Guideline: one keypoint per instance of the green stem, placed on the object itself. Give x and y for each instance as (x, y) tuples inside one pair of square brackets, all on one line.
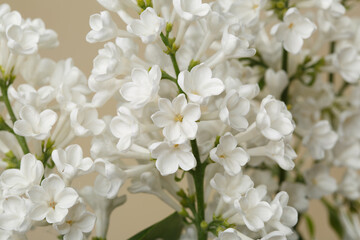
[(343, 88), (284, 66), (332, 50), (175, 64), (165, 75), (172, 53), (282, 176), (284, 98), (7, 103), (20, 139), (198, 175)]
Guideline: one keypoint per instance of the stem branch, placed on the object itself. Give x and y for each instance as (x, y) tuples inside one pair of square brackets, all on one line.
[(5, 98)]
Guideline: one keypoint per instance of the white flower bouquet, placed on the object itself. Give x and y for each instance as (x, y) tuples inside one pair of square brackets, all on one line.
[(234, 113)]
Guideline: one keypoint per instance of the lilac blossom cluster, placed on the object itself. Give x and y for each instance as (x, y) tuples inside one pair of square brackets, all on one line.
[(231, 114)]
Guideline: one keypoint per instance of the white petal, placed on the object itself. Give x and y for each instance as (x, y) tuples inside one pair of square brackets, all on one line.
[(66, 198), (23, 128)]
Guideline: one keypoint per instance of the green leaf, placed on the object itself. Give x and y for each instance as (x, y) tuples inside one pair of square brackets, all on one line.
[(310, 226), (167, 229), (334, 219)]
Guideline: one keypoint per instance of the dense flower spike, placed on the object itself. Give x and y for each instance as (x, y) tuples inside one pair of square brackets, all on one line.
[(207, 94)]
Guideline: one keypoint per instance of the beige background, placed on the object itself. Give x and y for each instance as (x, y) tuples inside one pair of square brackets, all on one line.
[(69, 18)]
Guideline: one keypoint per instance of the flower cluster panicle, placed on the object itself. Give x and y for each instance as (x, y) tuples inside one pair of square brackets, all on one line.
[(237, 98)]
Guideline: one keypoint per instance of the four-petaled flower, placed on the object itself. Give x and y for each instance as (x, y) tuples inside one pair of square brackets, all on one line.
[(172, 156), (178, 118), (34, 124), (51, 200), (227, 154), (293, 30)]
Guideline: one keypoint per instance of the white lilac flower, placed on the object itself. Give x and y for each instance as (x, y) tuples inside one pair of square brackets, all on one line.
[(265, 177), (104, 90), (248, 11), (233, 109), (14, 216), (199, 84), (297, 195), (103, 28), (350, 185), (276, 82), (143, 87), (149, 26), (4, 9), (102, 207), (227, 154), (125, 127), (109, 63), (275, 235), (215, 23), (293, 30), (27, 95), (189, 10), (319, 181), (347, 153), (321, 137), (19, 181), (169, 157), (349, 125), (85, 121), (22, 40), (47, 37), (51, 200), (351, 224), (70, 162), (226, 4), (9, 143), (37, 71), (279, 151), (248, 91), (231, 187), (70, 84), (231, 234), (34, 124), (273, 119), (151, 182), (114, 5), (234, 44), (178, 118), (335, 7), (347, 63), (109, 180), (251, 211), (146, 182), (128, 46), (285, 217), (77, 222)]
